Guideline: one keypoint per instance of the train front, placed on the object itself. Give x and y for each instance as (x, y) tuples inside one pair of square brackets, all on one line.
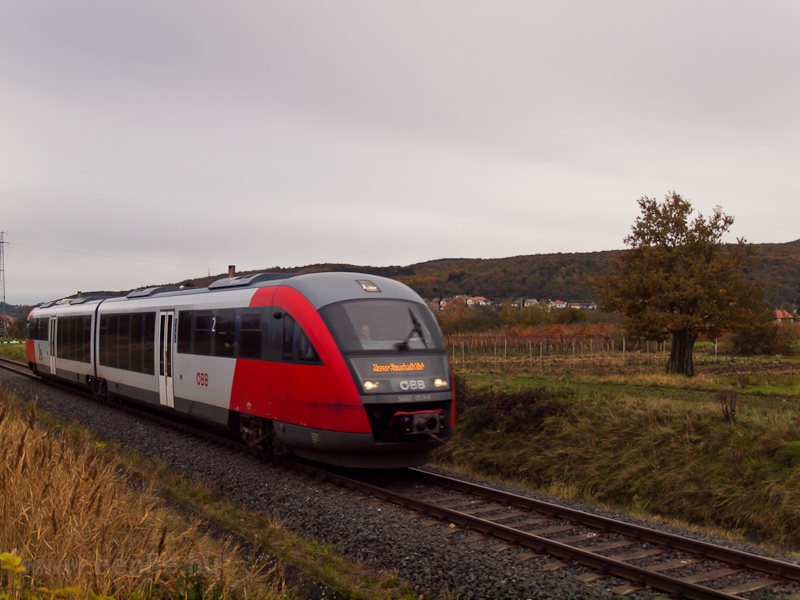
[(394, 349)]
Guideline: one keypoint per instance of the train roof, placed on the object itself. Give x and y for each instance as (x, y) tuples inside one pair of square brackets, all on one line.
[(320, 289)]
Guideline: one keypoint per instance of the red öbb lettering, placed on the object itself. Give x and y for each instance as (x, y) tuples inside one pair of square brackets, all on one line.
[(202, 379)]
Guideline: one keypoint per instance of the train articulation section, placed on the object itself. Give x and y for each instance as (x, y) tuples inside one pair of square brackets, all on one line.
[(342, 368)]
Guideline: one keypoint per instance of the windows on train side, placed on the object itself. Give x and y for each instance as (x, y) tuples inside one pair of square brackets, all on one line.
[(243, 333), (127, 341), (37, 328), (250, 335), (73, 339)]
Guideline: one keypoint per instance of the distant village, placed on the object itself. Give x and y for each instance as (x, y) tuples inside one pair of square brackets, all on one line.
[(438, 304)]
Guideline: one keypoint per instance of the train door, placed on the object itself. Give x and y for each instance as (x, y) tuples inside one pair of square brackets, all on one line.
[(165, 344), (52, 346)]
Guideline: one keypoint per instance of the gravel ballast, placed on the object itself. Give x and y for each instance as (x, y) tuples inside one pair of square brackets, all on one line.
[(430, 558)]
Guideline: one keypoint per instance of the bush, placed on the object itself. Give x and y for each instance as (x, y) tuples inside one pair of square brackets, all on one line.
[(502, 411), (767, 337)]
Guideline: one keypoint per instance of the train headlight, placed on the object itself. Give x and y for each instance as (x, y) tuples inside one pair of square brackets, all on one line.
[(440, 383), (371, 385)]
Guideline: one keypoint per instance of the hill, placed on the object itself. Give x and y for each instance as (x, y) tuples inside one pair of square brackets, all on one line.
[(559, 276), (552, 276), (568, 276)]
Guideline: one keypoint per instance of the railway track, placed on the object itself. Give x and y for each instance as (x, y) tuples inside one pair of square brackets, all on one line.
[(677, 565), (470, 513)]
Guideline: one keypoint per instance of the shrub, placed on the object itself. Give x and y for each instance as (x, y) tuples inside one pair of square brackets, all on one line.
[(508, 412)]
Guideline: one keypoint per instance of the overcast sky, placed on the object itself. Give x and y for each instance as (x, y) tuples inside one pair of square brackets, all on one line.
[(148, 142)]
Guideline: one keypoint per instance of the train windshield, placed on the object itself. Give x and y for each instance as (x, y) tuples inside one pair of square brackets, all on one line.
[(381, 325)]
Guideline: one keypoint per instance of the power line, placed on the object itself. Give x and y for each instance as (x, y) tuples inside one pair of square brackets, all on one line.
[(128, 258)]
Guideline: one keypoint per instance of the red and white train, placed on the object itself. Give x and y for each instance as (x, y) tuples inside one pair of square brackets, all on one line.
[(343, 368)]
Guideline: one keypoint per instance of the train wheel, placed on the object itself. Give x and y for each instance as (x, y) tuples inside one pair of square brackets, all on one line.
[(259, 433), (254, 430)]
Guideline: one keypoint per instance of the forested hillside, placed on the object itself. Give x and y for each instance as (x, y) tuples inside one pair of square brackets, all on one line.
[(559, 276), (565, 277)]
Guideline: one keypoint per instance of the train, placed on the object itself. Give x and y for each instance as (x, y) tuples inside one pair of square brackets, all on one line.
[(347, 369)]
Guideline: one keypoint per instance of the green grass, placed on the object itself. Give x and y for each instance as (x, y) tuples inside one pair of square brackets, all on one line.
[(13, 351), (640, 450)]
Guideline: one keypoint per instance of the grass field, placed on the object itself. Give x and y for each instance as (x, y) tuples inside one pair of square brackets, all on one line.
[(13, 351), (719, 450), (71, 524), (78, 519)]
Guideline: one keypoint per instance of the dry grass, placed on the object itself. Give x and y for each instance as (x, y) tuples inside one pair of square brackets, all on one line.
[(649, 454), (70, 521)]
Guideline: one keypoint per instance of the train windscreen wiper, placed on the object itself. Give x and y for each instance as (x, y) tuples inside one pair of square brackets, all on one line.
[(417, 328)]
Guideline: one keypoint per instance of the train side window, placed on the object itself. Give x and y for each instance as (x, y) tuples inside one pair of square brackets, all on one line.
[(305, 349), (184, 332), (224, 332), (61, 334), (86, 351), (137, 341), (102, 350), (250, 335), (287, 348), (124, 348), (72, 338), (202, 333), (113, 325), (149, 361), (69, 338)]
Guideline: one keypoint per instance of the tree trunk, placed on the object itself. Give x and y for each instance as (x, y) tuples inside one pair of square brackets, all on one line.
[(680, 356)]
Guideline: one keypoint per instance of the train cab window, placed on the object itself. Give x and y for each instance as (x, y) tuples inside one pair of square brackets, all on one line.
[(296, 346), (382, 325), (224, 328), (250, 335), (202, 333), (305, 349)]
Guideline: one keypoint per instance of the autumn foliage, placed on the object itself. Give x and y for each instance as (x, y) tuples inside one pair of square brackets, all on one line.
[(679, 281)]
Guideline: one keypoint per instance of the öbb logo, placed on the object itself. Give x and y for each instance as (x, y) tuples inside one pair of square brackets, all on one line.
[(412, 384)]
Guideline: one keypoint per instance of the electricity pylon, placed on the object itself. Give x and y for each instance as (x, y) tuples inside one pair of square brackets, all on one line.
[(3, 284)]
